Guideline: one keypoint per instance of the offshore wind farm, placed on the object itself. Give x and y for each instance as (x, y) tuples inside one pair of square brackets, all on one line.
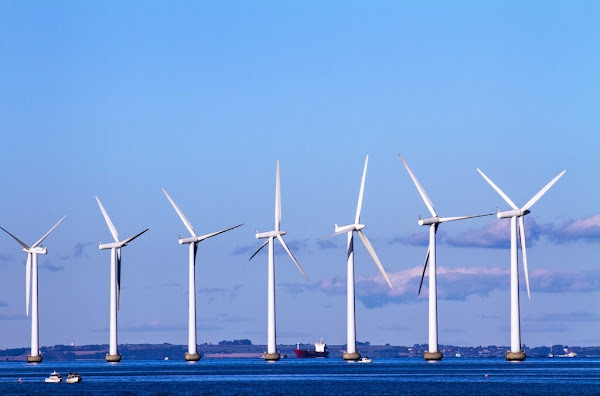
[(247, 132)]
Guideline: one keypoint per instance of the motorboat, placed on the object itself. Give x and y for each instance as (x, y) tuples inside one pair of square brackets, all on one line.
[(365, 360), (54, 378), (73, 378)]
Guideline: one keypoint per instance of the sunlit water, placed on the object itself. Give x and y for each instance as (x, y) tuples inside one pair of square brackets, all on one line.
[(310, 376)]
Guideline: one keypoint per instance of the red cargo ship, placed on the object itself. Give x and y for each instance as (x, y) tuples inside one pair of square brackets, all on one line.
[(319, 351)]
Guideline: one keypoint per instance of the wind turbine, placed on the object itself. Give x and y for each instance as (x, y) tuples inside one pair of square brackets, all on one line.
[(351, 352), (433, 352), (192, 241), (272, 353), (115, 280), (515, 353), (31, 288)]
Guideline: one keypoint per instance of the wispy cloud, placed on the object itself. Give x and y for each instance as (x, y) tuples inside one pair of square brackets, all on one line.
[(50, 266), (327, 244), (153, 325), (418, 239), (563, 317), (245, 250), (585, 228), (495, 234), (12, 317), (224, 317), (79, 248), (214, 293), (458, 284), (295, 288)]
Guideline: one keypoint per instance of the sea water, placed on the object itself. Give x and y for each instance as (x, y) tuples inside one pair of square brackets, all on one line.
[(330, 376)]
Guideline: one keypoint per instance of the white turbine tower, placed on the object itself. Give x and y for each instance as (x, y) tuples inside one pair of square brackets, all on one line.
[(31, 289), (516, 353), (115, 281), (433, 352), (192, 355), (351, 352), (272, 353)]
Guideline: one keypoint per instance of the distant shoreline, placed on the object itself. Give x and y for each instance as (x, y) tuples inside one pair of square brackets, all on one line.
[(249, 351)]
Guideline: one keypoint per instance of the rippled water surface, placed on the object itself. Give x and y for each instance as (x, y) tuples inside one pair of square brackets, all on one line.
[(309, 376)]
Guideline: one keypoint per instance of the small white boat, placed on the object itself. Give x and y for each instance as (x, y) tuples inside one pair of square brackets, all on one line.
[(54, 378), (365, 360), (73, 378)]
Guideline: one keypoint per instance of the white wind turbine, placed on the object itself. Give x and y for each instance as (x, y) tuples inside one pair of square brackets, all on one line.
[(351, 352), (192, 241), (515, 352), (433, 353), (272, 353), (115, 281), (31, 288)]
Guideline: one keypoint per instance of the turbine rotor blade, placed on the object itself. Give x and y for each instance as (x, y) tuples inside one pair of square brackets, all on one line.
[(111, 227), (16, 239), (335, 233), (118, 279), (126, 241), (424, 195), (424, 268), (371, 251), (184, 219), (542, 191), (27, 282), (292, 256), (220, 232), (48, 233), (497, 189), (360, 194), (524, 251), (259, 249), (445, 219), (195, 251), (277, 199)]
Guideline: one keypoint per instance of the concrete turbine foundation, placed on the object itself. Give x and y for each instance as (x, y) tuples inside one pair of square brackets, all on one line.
[(34, 359), (192, 357), (433, 356), (272, 356), (351, 356), (515, 356), (113, 358)]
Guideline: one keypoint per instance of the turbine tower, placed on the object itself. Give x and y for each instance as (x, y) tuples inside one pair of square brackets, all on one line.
[(433, 352), (351, 352), (272, 353), (192, 354), (31, 289), (516, 353), (115, 281)]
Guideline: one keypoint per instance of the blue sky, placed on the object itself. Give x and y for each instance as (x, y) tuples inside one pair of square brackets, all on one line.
[(119, 99)]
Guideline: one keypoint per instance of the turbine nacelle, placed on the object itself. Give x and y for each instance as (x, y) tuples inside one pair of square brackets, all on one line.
[(269, 234), (429, 221), (112, 245), (36, 250), (512, 213)]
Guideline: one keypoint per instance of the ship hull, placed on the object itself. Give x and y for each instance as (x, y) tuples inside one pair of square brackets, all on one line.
[(303, 353)]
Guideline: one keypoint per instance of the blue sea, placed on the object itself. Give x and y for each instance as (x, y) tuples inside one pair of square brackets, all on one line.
[(578, 376)]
